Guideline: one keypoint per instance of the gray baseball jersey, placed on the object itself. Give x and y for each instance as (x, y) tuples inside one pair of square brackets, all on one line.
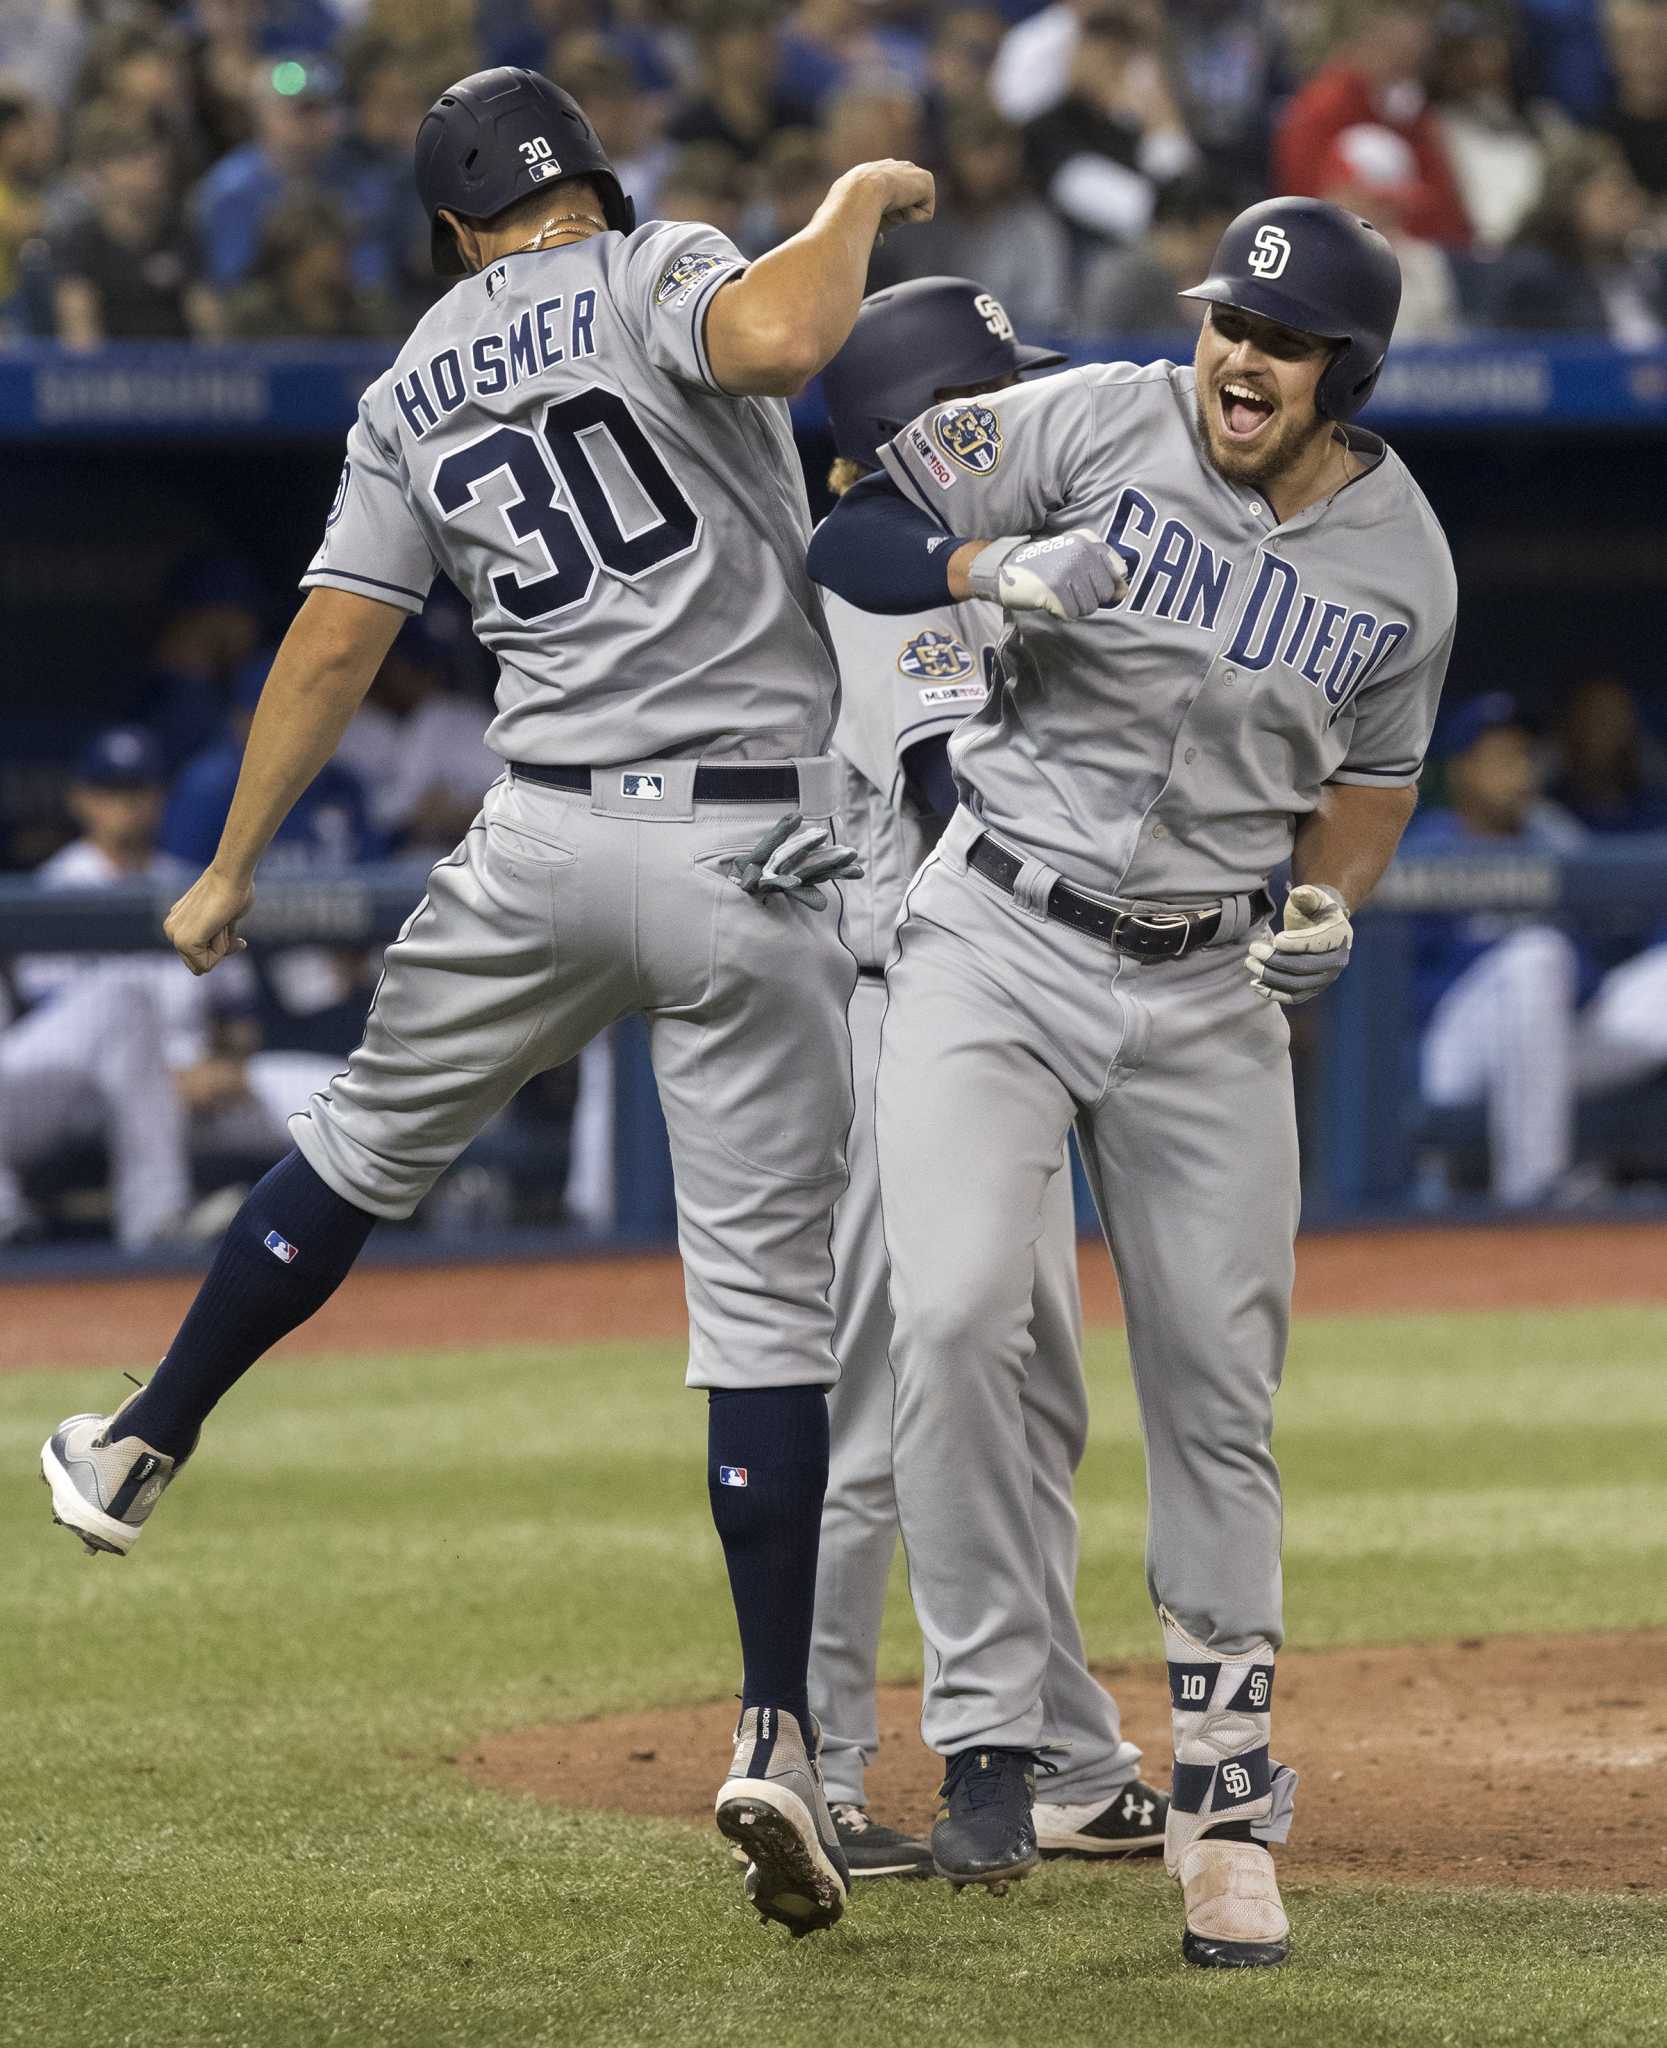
[(1165, 748), (902, 680), (630, 539)]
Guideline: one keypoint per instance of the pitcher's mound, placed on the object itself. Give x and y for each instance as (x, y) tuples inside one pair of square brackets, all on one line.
[(1521, 1760)]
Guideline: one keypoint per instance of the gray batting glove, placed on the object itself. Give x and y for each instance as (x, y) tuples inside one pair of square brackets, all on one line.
[(791, 859), (1308, 955), (1066, 575)]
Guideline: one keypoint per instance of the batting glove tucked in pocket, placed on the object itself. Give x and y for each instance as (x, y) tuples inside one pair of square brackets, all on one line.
[(1293, 965), (791, 859)]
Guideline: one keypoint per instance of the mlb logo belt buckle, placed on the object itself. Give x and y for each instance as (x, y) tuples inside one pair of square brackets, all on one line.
[(649, 789)]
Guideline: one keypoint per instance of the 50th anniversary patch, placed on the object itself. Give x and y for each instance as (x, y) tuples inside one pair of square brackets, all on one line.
[(969, 435), (934, 657)]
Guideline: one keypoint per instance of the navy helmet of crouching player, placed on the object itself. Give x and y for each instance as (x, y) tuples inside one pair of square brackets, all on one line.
[(1323, 271), (912, 343), (495, 137)]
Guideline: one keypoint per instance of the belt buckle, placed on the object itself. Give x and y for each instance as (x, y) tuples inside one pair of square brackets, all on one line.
[(1153, 929)]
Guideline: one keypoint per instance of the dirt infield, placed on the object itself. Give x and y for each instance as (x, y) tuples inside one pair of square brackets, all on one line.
[(1517, 1761), (130, 1322)]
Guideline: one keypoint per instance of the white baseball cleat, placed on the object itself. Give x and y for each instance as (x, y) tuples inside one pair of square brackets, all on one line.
[(1234, 1918), (772, 1807), (103, 1489)]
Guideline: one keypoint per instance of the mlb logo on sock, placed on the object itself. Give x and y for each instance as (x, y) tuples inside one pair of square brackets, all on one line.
[(281, 1248), (732, 1475)]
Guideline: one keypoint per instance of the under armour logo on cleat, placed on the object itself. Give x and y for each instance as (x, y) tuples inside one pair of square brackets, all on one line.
[(1140, 1810)]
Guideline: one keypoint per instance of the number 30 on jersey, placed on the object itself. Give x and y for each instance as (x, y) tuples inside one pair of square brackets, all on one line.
[(537, 464)]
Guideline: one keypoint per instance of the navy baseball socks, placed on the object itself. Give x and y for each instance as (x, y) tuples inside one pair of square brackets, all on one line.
[(767, 1470), (767, 1452), (287, 1250)]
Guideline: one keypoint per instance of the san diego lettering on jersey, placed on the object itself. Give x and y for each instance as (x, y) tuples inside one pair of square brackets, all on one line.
[(546, 334), (1181, 577)]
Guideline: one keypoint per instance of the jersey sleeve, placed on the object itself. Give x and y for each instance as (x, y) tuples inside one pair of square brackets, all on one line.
[(372, 543), (670, 274), (1009, 462), (1394, 716)]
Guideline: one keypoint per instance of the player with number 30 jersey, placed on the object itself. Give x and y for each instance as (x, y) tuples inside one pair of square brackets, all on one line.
[(587, 435)]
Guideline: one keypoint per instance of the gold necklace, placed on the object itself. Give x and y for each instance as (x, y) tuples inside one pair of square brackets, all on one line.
[(588, 220)]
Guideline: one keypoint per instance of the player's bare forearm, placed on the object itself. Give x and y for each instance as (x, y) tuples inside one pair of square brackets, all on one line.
[(960, 568), (771, 330), (327, 662), (1350, 839)]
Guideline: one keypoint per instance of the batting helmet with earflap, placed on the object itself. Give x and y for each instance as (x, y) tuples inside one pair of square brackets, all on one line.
[(910, 342), (495, 138), (1319, 269)]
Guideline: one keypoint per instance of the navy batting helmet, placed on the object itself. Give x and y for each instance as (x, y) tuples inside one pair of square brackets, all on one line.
[(494, 138), (1314, 267), (910, 342)]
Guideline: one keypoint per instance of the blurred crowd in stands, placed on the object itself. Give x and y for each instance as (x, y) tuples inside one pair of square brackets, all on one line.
[(240, 168)]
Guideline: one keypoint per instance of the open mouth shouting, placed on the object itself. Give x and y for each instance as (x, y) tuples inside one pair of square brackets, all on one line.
[(1244, 410)]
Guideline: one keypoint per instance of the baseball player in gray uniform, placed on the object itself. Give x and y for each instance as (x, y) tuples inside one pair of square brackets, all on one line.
[(1232, 611), (906, 683), (587, 434)]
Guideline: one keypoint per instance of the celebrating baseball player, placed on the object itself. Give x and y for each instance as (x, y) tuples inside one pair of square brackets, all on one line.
[(906, 683), (586, 433), (1231, 616)]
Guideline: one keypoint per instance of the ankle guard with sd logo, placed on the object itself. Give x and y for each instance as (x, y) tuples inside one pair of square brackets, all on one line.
[(1225, 1781)]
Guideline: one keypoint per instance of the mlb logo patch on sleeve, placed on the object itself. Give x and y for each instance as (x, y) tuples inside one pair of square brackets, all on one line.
[(732, 1475), (281, 1248)]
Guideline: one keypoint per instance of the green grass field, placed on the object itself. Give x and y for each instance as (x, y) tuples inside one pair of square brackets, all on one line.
[(227, 1816)]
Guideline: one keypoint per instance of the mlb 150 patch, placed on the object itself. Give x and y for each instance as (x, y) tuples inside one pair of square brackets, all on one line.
[(954, 693), (680, 279), (934, 465), (934, 657), (969, 435)]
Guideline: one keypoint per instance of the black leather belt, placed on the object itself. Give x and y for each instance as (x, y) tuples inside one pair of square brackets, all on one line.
[(735, 783), (1148, 934)]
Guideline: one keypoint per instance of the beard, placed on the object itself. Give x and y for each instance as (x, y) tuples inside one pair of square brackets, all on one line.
[(1281, 446)]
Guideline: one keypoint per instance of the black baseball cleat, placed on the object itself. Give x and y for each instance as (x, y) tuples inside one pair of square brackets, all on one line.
[(986, 1834), (1129, 1823), (874, 1850)]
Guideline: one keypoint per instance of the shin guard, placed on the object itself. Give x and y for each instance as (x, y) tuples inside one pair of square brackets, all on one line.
[(1224, 1776)]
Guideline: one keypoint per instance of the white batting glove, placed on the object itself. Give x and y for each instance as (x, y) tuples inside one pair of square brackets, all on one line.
[(1308, 955), (1066, 575)]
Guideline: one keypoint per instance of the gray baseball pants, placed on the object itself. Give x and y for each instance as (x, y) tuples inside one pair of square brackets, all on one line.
[(1003, 1029), (562, 912), (859, 1514)]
